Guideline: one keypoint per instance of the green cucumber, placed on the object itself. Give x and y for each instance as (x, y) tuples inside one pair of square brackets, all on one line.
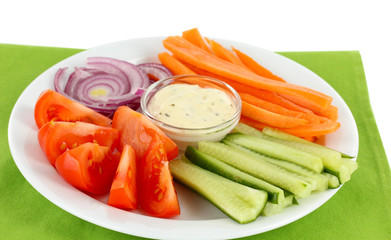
[(241, 203), (333, 181), (350, 164), (273, 209), (285, 136), (277, 150), (321, 181), (275, 194), (271, 173)]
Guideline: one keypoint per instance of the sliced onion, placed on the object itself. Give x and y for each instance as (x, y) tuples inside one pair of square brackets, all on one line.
[(157, 70), (107, 83)]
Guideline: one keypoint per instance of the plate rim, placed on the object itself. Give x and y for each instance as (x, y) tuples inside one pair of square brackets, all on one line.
[(170, 234)]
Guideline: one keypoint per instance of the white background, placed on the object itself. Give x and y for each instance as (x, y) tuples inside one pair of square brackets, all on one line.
[(274, 25)]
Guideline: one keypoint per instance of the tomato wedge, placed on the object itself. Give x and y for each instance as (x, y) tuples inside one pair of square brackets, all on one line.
[(52, 106), (57, 137), (88, 167), (137, 130), (123, 192), (157, 195)]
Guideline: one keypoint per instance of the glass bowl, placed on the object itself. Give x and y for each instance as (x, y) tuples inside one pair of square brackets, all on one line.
[(184, 136)]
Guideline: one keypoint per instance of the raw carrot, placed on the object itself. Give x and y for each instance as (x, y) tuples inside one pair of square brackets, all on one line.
[(193, 55), (310, 117), (255, 66), (175, 66), (272, 119), (194, 36), (269, 106), (262, 94), (253, 123), (223, 53), (310, 130)]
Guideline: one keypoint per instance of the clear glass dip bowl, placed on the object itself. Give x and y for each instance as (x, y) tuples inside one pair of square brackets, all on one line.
[(185, 136)]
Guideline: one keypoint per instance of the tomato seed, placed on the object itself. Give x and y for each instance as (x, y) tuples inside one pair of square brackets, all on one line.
[(129, 174), (160, 196), (74, 145), (63, 146), (90, 162)]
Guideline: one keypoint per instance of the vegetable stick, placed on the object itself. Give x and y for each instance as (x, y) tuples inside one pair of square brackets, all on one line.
[(194, 36), (269, 106), (262, 94), (223, 53), (275, 120), (312, 118), (253, 123), (309, 130), (255, 66), (330, 111), (193, 55), (175, 66)]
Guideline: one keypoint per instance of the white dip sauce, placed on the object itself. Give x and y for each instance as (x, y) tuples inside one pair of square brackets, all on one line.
[(191, 106)]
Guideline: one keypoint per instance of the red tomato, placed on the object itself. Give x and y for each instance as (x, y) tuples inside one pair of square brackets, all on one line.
[(123, 192), (54, 106), (57, 137), (137, 130), (157, 195), (88, 167)]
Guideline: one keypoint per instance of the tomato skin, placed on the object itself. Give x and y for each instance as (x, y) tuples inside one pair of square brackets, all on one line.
[(52, 106), (123, 192), (157, 195), (137, 131), (88, 167), (57, 137)]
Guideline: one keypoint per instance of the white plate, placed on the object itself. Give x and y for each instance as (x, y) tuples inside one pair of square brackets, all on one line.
[(199, 219)]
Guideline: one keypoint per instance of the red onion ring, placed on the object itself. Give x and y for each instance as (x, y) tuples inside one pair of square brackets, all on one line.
[(107, 83), (159, 71)]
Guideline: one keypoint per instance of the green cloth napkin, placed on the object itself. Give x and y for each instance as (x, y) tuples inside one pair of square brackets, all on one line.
[(360, 210)]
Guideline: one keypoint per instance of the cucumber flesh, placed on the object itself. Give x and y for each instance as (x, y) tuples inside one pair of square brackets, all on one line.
[(333, 181), (275, 194), (277, 150), (273, 209), (266, 171), (285, 136), (319, 181), (241, 203)]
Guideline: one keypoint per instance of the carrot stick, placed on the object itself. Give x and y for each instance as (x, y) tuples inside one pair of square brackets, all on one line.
[(309, 130), (262, 94), (193, 55), (275, 120), (255, 66), (253, 123), (223, 53), (194, 36), (310, 117), (175, 66), (269, 106)]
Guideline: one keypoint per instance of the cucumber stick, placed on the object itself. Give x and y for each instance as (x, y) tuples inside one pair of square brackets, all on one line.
[(243, 204), (282, 135), (320, 181), (275, 194), (272, 208), (271, 173), (333, 181), (277, 150)]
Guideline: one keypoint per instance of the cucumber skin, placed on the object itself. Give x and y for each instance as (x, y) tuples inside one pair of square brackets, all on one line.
[(320, 179), (284, 152), (194, 176), (261, 169), (214, 165)]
